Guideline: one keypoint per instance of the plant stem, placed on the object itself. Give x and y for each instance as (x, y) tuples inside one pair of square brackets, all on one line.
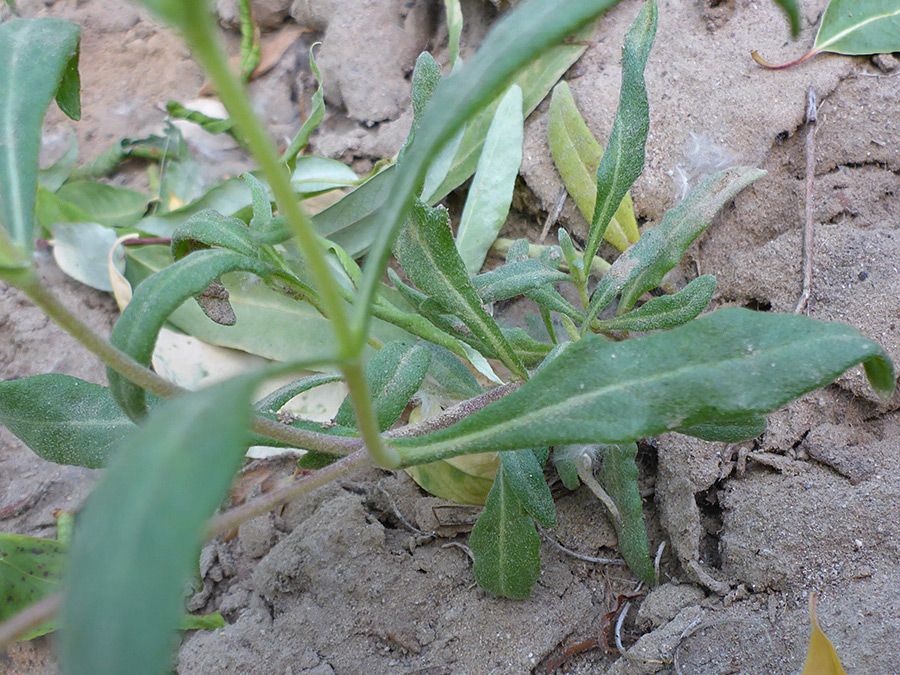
[(203, 40), (383, 455), (28, 619), (116, 359), (233, 518), (201, 36), (305, 440)]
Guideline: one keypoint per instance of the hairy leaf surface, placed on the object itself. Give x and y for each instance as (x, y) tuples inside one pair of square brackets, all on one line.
[(63, 419), (36, 57), (137, 539), (721, 368)]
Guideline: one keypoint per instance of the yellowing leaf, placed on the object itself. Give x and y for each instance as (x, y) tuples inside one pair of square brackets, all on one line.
[(821, 659)]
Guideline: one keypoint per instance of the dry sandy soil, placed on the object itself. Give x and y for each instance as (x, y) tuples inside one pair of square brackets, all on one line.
[(337, 583)]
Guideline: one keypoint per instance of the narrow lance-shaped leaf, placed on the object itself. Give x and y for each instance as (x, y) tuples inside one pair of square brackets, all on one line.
[(450, 374), (505, 544), (852, 27), (316, 115), (577, 154), (517, 39), (792, 10), (154, 300), (394, 375), (514, 279), (454, 28), (718, 369), (491, 191), (659, 249), (547, 297), (730, 432), (292, 327), (426, 251), (137, 539), (623, 159), (36, 57), (536, 79), (280, 397), (63, 419), (666, 311), (524, 475), (352, 216), (618, 475)]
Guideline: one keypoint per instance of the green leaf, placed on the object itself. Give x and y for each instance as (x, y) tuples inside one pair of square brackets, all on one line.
[(450, 374), (35, 55), (491, 191), (105, 204), (660, 248), (792, 9), (514, 42), (54, 176), (623, 159), (212, 125), (294, 328), (280, 397), (30, 569), (566, 469), (858, 27), (227, 198), (731, 432), (454, 28), (577, 154), (852, 27), (517, 278), (618, 475), (666, 311), (353, 221), (154, 300), (313, 175), (426, 77), (505, 544), (719, 369), (210, 228), (81, 249), (394, 375), (440, 167), (202, 622), (352, 216), (316, 115), (427, 253), (535, 80), (262, 207), (63, 419), (524, 475), (137, 538)]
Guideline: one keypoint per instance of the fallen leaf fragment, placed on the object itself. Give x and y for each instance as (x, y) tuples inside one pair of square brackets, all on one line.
[(821, 659)]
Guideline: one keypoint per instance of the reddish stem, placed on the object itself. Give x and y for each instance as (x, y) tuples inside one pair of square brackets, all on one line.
[(782, 66)]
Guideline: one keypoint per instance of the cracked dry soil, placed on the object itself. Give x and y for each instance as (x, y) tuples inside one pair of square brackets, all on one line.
[(337, 582)]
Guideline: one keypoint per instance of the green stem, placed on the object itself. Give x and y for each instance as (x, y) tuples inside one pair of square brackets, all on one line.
[(201, 37), (118, 360), (205, 46), (303, 439), (383, 455)]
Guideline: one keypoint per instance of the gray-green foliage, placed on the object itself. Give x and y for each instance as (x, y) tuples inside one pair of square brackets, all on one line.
[(578, 380)]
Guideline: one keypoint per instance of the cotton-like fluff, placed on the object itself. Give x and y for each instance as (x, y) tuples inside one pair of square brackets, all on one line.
[(702, 156)]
